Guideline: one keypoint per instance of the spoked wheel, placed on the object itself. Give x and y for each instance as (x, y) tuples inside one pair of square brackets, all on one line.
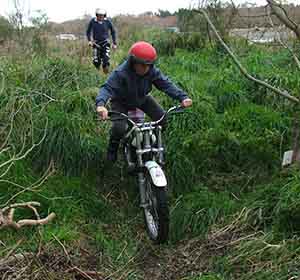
[(156, 213)]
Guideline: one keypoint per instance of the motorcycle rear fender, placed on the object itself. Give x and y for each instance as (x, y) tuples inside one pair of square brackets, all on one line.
[(157, 175)]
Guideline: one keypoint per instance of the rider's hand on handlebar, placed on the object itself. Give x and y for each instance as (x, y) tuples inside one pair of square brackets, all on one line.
[(102, 112), (186, 103), (91, 43)]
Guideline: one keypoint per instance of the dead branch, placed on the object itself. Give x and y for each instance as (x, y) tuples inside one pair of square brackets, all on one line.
[(241, 67), (84, 274), (7, 216), (62, 245)]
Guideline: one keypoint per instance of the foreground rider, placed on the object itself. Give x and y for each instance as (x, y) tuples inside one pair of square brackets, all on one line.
[(98, 36), (128, 87)]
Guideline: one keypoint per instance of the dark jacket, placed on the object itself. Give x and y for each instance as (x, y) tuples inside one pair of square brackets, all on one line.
[(100, 30), (129, 88)]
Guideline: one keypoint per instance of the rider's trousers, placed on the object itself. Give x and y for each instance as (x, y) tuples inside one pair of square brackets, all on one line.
[(150, 107)]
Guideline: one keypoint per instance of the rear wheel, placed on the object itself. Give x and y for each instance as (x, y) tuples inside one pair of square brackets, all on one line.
[(156, 213)]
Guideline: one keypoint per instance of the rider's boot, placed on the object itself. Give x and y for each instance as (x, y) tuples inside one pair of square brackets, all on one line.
[(112, 150)]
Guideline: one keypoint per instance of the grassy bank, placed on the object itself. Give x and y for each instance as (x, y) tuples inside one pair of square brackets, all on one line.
[(234, 212)]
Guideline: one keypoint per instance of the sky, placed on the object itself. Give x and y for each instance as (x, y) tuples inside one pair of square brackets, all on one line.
[(62, 10)]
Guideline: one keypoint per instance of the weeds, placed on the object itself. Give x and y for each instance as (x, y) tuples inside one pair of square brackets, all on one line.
[(223, 160)]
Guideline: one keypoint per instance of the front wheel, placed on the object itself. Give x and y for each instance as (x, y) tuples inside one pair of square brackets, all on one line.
[(156, 213)]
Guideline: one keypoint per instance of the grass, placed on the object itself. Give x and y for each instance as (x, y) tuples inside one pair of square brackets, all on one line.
[(223, 166)]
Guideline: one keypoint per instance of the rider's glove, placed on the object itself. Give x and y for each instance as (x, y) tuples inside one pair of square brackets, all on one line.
[(102, 112), (186, 103)]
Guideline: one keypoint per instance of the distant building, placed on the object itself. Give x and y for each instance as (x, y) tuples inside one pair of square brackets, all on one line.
[(70, 37)]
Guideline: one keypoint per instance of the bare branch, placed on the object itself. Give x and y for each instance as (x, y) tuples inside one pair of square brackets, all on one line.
[(7, 216)]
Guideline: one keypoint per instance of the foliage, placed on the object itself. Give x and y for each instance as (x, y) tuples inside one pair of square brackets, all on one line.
[(6, 29), (223, 160), (167, 42), (198, 211), (40, 25), (163, 13)]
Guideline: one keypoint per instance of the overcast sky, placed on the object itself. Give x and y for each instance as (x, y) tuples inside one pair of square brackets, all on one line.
[(61, 10)]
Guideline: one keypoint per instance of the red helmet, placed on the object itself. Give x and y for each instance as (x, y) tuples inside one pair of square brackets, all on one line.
[(142, 52)]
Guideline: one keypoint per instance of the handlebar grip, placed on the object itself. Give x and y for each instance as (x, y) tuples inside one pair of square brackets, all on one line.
[(110, 113)]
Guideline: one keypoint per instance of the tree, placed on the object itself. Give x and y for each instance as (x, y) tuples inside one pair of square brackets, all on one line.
[(17, 19), (6, 29), (188, 21), (40, 25), (163, 13), (221, 14)]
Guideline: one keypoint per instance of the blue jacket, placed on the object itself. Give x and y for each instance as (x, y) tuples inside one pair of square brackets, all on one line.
[(100, 30), (129, 88)]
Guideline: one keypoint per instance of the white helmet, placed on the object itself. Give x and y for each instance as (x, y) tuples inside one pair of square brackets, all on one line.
[(100, 12)]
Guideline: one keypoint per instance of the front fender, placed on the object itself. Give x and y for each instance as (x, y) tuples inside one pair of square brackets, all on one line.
[(157, 175)]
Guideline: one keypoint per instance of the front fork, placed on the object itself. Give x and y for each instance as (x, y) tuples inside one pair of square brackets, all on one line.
[(157, 175), (142, 189)]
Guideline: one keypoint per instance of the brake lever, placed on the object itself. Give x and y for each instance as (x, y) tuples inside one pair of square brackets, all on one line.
[(180, 110)]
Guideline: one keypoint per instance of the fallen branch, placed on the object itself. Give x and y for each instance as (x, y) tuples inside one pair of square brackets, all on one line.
[(85, 274), (7, 216)]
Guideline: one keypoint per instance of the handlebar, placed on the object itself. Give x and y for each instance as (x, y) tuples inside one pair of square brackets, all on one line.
[(174, 109)]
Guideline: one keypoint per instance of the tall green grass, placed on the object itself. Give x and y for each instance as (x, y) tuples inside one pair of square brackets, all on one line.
[(223, 156)]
